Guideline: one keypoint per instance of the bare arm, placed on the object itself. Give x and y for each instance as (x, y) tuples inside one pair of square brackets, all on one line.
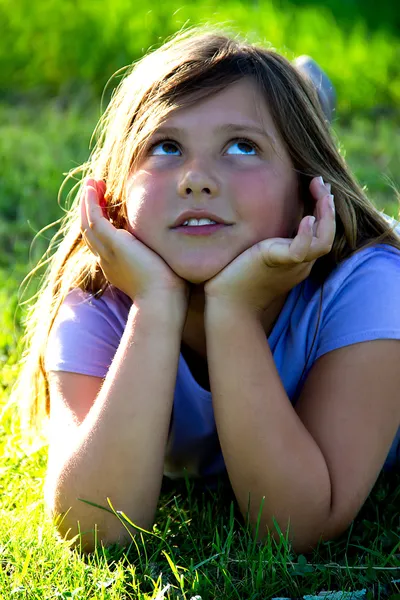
[(118, 450), (268, 451), (315, 464)]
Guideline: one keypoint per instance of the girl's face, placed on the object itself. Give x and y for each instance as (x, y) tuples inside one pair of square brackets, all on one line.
[(214, 161)]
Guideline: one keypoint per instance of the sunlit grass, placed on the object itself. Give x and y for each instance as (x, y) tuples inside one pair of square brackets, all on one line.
[(199, 545), (72, 45)]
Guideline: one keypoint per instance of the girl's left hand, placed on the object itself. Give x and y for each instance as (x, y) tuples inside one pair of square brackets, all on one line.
[(274, 266)]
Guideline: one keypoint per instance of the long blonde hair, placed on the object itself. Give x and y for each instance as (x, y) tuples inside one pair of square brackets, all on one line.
[(191, 66)]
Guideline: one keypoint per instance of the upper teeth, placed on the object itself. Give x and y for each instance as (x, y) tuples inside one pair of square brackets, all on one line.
[(199, 222)]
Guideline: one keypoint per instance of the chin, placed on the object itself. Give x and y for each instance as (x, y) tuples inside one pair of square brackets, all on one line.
[(196, 278), (196, 275)]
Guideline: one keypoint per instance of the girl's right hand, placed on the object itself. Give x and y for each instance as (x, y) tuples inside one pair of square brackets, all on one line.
[(126, 262)]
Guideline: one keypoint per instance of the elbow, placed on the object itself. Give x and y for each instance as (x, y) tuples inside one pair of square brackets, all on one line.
[(301, 540), (69, 531), (86, 528), (88, 537), (297, 544), (302, 527)]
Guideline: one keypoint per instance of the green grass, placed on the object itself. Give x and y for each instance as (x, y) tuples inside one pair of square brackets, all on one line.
[(83, 43), (199, 545)]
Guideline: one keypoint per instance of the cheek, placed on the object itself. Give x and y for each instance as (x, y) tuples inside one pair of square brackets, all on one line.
[(143, 203), (269, 202)]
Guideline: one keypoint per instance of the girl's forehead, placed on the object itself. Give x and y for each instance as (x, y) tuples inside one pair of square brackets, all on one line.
[(240, 104)]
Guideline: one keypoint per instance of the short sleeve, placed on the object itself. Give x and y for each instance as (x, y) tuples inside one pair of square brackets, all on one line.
[(362, 300), (85, 335)]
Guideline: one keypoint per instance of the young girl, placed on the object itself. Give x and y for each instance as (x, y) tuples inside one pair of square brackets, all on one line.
[(225, 300)]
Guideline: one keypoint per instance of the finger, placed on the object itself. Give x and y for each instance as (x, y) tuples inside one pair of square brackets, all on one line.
[(89, 232), (326, 230), (101, 188), (89, 245), (89, 183), (94, 212), (299, 249), (85, 225), (275, 251), (319, 188), (325, 226), (83, 214), (95, 246), (284, 251), (98, 185), (305, 247)]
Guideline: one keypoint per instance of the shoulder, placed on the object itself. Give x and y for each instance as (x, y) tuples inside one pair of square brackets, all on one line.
[(361, 279), (87, 331), (361, 299), (369, 271), (376, 262), (111, 307)]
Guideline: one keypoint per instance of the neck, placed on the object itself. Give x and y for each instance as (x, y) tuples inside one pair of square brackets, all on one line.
[(194, 333)]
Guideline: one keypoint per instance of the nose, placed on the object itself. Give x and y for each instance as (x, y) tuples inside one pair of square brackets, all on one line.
[(197, 182)]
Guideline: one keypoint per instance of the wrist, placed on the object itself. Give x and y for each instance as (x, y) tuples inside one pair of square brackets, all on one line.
[(224, 308), (168, 307), (226, 312)]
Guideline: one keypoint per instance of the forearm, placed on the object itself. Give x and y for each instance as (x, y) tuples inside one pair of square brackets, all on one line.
[(267, 449), (120, 448)]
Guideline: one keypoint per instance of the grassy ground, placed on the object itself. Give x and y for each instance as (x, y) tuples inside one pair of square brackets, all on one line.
[(199, 546)]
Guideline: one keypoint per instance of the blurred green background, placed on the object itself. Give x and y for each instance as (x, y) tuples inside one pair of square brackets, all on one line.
[(56, 58)]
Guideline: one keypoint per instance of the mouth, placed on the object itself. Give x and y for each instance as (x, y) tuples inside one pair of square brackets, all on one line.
[(199, 215)]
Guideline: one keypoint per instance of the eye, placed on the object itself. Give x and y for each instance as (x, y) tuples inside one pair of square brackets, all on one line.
[(167, 144), (243, 142), (164, 144)]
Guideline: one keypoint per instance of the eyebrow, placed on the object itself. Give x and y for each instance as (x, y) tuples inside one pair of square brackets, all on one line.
[(228, 128)]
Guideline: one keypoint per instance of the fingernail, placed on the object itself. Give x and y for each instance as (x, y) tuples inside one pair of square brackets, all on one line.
[(331, 201), (321, 180), (328, 187), (90, 187)]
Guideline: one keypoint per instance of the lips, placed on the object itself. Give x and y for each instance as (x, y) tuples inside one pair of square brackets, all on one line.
[(198, 215), (202, 230)]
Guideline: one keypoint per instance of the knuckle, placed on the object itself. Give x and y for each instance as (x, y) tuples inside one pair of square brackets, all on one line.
[(298, 258), (112, 252)]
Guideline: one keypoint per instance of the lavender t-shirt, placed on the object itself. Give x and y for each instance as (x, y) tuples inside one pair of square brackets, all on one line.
[(360, 302)]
